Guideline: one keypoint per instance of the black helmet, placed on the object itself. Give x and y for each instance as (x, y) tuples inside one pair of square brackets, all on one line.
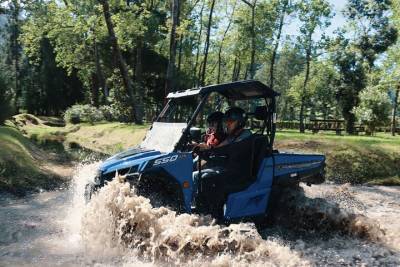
[(216, 116), (236, 114)]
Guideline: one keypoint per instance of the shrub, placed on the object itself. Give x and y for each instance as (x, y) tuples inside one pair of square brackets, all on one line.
[(83, 113), (374, 108), (111, 113)]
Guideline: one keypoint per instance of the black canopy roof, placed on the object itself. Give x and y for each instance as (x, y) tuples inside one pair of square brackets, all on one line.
[(239, 90)]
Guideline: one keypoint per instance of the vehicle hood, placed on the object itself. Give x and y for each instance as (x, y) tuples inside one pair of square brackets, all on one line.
[(128, 158)]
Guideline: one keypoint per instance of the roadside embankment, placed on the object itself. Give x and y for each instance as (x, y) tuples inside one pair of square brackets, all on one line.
[(353, 159), (104, 138), (26, 168)]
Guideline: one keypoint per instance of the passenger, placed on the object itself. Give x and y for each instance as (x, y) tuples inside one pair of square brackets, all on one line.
[(214, 136), (215, 132)]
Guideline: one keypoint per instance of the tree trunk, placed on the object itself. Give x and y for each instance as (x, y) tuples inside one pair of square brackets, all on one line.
[(350, 119), (14, 49), (169, 81), (207, 44), (95, 90), (99, 72), (253, 42), (277, 41), (306, 77), (222, 43), (239, 65), (120, 60), (139, 78), (394, 111), (199, 42), (180, 53), (234, 69), (253, 37)]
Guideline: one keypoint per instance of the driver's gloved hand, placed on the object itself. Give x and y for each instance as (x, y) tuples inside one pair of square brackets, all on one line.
[(196, 150)]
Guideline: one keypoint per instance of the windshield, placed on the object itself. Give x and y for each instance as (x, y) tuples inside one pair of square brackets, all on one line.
[(163, 136), (178, 110)]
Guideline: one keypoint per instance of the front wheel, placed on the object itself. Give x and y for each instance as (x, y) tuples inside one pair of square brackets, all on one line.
[(90, 188)]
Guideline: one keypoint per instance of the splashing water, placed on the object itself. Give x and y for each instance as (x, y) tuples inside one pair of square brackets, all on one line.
[(118, 219)]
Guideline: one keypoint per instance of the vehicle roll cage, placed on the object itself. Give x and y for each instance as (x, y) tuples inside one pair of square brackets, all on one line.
[(239, 90)]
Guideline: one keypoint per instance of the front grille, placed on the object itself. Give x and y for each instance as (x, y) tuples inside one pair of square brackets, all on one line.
[(109, 176)]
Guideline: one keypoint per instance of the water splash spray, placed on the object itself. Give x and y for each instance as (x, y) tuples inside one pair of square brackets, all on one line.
[(117, 219)]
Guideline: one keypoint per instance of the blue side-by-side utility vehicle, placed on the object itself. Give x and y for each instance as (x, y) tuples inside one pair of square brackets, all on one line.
[(251, 173)]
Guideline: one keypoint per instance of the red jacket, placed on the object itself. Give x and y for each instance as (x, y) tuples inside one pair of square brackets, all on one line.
[(212, 139)]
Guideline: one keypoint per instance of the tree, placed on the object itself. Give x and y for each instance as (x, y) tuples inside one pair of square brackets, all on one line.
[(374, 108), (172, 46), (290, 63), (222, 42), (138, 113), (312, 14), (394, 110), (283, 8), (320, 96), (14, 48), (392, 65), (5, 100), (252, 6), (207, 44), (371, 35)]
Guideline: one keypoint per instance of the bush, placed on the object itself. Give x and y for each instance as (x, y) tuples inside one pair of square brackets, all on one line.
[(87, 113), (83, 113), (111, 113), (374, 108)]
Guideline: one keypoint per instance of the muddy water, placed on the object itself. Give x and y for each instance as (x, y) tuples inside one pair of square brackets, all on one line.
[(120, 228)]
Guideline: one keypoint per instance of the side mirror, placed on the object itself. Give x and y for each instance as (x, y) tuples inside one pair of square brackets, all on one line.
[(195, 133)]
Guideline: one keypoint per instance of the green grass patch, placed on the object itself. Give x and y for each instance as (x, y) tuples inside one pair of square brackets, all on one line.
[(19, 170), (102, 137), (107, 138), (354, 159)]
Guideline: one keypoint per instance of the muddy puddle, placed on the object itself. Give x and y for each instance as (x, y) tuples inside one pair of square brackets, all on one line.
[(325, 225)]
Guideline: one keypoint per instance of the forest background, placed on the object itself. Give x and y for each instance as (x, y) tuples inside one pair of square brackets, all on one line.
[(116, 60)]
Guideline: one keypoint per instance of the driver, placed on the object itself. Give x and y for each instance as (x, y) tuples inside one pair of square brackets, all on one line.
[(234, 122)]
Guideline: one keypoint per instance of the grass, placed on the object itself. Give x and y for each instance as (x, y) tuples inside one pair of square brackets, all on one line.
[(382, 141), (105, 138), (20, 170), (354, 159)]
